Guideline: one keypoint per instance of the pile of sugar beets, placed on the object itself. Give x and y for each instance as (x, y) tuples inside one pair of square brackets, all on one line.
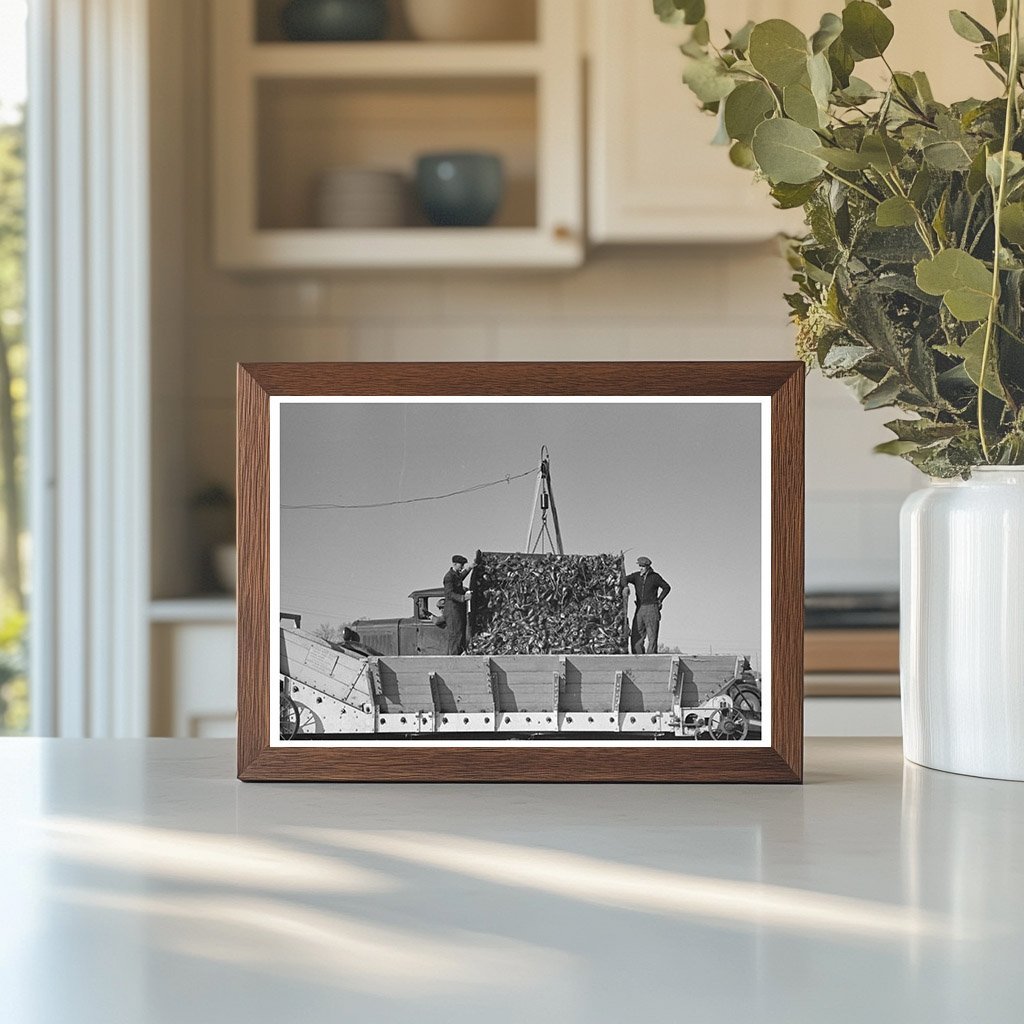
[(548, 604)]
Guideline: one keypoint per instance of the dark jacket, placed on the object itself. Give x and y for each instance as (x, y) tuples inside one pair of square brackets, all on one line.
[(454, 591), (650, 589)]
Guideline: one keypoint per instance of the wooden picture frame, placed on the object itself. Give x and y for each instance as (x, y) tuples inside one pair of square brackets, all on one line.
[(780, 759)]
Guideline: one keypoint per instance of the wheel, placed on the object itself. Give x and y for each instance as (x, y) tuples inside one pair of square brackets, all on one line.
[(289, 717), (728, 724), (309, 721), (748, 700)]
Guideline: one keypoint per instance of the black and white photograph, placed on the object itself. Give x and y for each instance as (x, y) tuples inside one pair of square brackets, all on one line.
[(488, 571)]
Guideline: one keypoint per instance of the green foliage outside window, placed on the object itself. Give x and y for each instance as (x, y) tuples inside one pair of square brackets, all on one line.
[(13, 413)]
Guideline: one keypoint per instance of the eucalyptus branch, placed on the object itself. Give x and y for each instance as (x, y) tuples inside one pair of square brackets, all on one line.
[(853, 185), (771, 89), (993, 308)]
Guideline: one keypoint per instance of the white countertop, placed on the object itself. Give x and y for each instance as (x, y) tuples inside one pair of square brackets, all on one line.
[(143, 885)]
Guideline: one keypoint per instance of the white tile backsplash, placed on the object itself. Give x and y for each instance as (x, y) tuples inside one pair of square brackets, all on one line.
[(715, 303)]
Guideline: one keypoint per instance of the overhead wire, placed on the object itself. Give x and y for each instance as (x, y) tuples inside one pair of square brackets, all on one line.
[(410, 501)]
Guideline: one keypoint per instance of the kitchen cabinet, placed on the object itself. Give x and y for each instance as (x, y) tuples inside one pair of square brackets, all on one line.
[(653, 175), (192, 651), (287, 113)]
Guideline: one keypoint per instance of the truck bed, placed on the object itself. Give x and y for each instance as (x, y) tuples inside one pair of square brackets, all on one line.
[(525, 683)]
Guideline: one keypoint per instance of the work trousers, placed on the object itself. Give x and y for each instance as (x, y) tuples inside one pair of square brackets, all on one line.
[(646, 620), (455, 625)]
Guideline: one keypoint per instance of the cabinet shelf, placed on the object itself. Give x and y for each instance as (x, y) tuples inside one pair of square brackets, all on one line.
[(310, 248), (286, 114), (393, 60)]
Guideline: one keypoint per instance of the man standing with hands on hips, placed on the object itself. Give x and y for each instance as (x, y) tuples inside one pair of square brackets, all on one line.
[(651, 590)]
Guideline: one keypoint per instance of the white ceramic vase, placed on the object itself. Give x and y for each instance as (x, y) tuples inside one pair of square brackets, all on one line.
[(962, 624)]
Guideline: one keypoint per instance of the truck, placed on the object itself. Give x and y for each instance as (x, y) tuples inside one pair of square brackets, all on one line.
[(391, 678)]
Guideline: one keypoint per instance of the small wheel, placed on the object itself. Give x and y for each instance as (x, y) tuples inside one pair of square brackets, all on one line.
[(289, 717), (309, 721), (728, 724), (289, 713), (701, 727)]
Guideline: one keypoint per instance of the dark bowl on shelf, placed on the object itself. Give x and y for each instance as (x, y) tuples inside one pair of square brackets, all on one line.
[(460, 189), (332, 21)]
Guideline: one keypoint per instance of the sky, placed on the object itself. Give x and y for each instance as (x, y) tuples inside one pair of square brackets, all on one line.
[(677, 482), (12, 56)]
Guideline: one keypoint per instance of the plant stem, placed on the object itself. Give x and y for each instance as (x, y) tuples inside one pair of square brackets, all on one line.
[(922, 225), (993, 309), (855, 187)]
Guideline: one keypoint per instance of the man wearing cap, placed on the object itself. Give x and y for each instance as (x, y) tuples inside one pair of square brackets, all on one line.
[(651, 590), (455, 601)]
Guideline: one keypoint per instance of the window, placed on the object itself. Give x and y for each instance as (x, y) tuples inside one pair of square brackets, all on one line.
[(14, 548)]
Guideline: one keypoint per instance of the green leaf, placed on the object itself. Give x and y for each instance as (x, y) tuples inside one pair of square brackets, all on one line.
[(885, 394), (946, 156), (896, 212), (906, 88), (968, 28), (820, 77), (694, 11), (1011, 226), (701, 33), (708, 80), (976, 173), (785, 152), (999, 7), (800, 105), (939, 220), (829, 30), (883, 153), (971, 352), (1014, 169), (742, 155), (844, 159), (921, 185), (858, 91), (924, 88), (676, 12), (721, 137), (739, 41), (895, 447), (923, 431), (963, 281), (841, 60), (745, 108), (789, 197), (866, 29), (778, 50)]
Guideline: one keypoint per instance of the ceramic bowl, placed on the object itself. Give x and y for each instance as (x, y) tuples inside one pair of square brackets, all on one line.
[(460, 189), (358, 197), (334, 20), (469, 20)]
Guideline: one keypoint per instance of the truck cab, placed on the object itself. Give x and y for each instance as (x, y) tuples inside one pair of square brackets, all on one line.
[(422, 633)]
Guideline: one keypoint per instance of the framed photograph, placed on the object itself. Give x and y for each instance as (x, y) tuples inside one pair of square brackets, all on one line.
[(520, 572)]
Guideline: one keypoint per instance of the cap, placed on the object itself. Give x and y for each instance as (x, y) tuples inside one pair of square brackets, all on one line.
[(461, 559), (643, 560)]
